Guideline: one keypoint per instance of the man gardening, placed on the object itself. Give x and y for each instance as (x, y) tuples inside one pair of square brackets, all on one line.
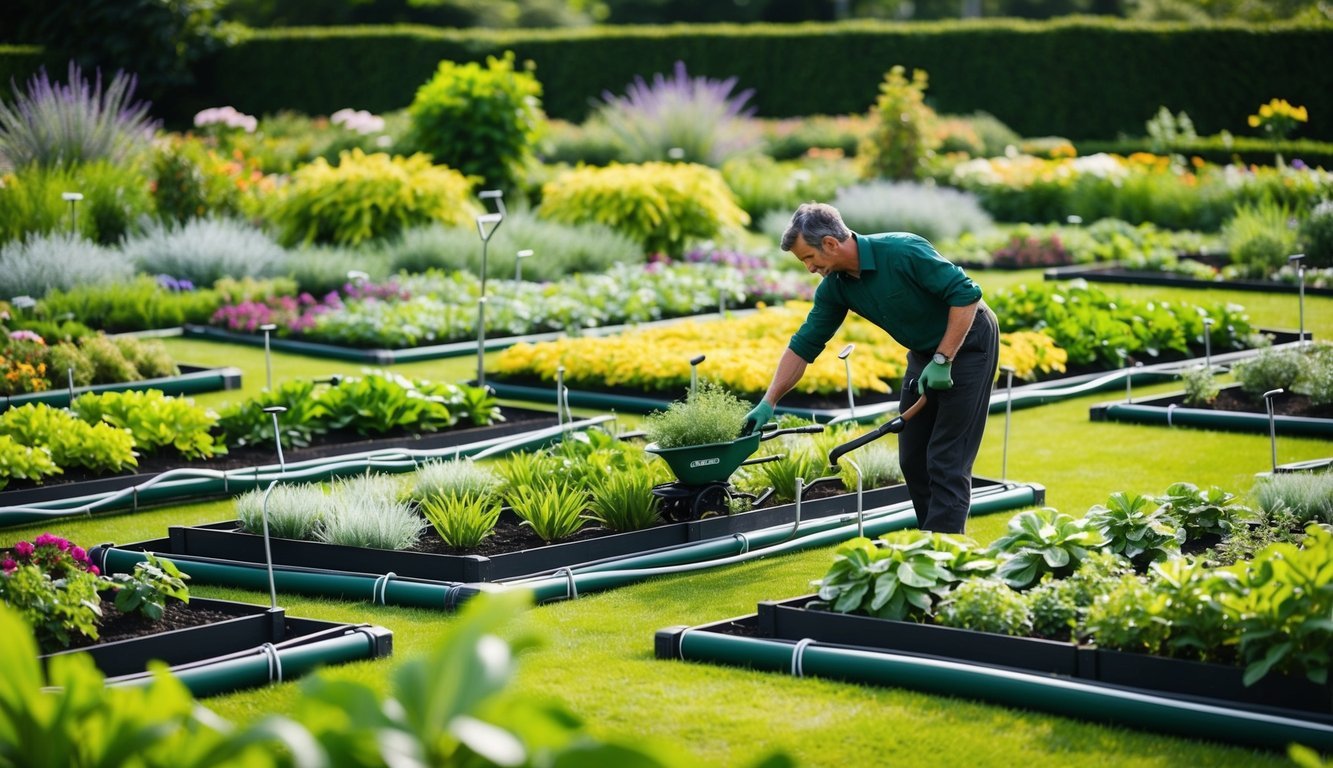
[(898, 281)]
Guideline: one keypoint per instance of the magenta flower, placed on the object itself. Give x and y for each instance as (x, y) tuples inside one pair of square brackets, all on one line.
[(23, 549)]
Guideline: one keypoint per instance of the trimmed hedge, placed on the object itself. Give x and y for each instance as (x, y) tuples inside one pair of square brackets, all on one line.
[(1246, 149), (1080, 77)]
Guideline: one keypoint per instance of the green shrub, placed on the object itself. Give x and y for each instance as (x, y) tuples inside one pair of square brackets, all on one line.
[(710, 414), (1125, 619), (1317, 236), (150, 357), (109, 363), (190, 180), (366, 197), (1268, 370), (903, 135), (662, 206), (986, 605), (995, 136), (1201, 387), (1260, 237), (1202, 513), (763, 185), (138, 304), (1041, 541), (696, 120), (45, 263), (1137, 528), (482, 121), (1307, 496)]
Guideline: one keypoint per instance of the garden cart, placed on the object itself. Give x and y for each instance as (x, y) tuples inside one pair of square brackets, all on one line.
[(703, 471)]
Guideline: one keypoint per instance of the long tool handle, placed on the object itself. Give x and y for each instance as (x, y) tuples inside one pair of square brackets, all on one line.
[(895, 426)]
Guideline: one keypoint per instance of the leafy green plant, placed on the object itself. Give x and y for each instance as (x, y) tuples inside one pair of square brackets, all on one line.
[(142, 303), (1043, 541), (1201, 387), (903, 134), (1284, 601), (520, 470), (1306, 497), (553, 510), (662, 206), (146, 590), (710, 414), (1195, 595), (624, 500), (1060, 606), (154, 420), (696, 120), (108, 361), (381, 402), (1127, 618), (1137, 527), (900, 575), (294, 511), (365, 511), (24, 462), (797, 462), (246, 424), (986, 605), (367, 197), (462, 520), (482, 121), (71, 441), (1270, 369), (1202, 513)]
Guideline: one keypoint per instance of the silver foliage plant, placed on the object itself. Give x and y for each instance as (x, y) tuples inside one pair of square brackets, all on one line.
[(935, 213), (206, 250), (58, 261)]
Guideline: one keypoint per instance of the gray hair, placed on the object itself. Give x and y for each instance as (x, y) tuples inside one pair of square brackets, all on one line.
[(813, 222)]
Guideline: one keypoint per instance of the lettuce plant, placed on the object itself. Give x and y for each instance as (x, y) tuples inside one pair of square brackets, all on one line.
[(155, 421)]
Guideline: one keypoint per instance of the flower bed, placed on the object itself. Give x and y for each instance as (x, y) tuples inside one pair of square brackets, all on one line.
[(1245, 414)]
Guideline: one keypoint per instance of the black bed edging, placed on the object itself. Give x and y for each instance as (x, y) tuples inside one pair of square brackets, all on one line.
[(1218, 684), (191, 380), (249, 627), (222, 541)]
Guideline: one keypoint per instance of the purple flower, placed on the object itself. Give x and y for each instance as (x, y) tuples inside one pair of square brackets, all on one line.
[(24, 549), (9, 565), (1299, 164)]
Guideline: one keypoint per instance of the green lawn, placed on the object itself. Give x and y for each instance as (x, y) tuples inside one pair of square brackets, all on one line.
[(597, 659)]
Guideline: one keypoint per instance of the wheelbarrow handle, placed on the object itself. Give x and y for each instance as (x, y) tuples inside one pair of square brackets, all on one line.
[(894, 426), (804, 429)]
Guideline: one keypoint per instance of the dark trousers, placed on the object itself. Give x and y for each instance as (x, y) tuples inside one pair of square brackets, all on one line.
[(936, 449)]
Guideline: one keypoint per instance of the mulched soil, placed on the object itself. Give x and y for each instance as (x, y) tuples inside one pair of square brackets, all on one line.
[(1286, 404), (120, 626)]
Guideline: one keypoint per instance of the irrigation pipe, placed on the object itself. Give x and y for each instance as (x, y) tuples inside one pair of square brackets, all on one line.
[(1023, 690), (186, 483), (389, 590)]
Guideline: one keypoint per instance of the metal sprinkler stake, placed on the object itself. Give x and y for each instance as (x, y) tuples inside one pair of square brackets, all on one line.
[(1299, 260), (1208, 343), (694, 373), (69, 377), (1272, 425), (487, 223), (518, 263), (845, 356), (73, 199), (559, 385), (1008, 413), (272, 410), (268, 328)]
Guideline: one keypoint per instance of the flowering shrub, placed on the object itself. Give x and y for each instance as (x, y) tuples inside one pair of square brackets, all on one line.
[(1278, 118), (292, 314), (358, 120), (56, 557), (221, 118), (54, 586)]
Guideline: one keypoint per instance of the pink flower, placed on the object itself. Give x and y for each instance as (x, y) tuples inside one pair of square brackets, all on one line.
[(9, 565), (24, 549), (25, 335)]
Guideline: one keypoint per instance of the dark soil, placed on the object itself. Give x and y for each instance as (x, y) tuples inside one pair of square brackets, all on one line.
[(121, 626), (794, 399), (1286, 404)]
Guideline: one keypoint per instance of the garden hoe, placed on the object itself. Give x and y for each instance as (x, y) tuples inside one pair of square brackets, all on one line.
[(895, 426)]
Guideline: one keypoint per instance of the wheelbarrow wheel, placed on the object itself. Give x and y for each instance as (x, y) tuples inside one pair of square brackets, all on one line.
[(714, 499)]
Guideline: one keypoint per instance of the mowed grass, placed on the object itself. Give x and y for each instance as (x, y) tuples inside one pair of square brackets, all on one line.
[(597, 657)]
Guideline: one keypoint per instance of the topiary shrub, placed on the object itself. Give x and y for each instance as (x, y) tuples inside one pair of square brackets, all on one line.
[(484, 121), (662, 206), (904, 134), (366, 197)]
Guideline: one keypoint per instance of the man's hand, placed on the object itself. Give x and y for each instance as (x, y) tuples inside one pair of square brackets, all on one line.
[(756, 418), (935, 376)]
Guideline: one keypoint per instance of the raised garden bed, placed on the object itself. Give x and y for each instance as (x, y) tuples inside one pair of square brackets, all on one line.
[(518, 421), (1109, 273), (223, 541), (192, 380), (1234, 411), (222, 646)]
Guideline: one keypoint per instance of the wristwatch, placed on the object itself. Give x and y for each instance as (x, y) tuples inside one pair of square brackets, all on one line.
[(940, 359)]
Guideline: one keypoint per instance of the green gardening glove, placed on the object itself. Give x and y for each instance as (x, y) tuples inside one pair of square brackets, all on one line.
[(756, 418), (936, 376)]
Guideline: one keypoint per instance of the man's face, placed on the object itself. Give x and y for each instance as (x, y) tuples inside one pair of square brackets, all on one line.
[(818, 260)]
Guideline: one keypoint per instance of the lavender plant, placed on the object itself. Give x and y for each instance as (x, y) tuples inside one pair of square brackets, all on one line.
[(51, 124), (44, 263), (682, 118)]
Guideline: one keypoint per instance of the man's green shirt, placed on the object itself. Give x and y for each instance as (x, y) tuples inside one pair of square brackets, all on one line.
[(905, 287)]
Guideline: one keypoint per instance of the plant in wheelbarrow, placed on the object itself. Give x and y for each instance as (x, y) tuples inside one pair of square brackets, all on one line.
[(710, 414)]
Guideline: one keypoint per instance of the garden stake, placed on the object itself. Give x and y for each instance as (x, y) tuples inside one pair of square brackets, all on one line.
[(845, 356), (268, 356), (1299, 260), (518, 263), (73, 199), (559, 387), (1272, 427), (273, 411), (796, 524), (69, 376), (1208, 343), (1008, 413), (487, 223), (694, 373)]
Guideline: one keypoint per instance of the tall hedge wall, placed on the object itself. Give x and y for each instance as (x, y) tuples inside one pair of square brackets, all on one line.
[(1083, 78)]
